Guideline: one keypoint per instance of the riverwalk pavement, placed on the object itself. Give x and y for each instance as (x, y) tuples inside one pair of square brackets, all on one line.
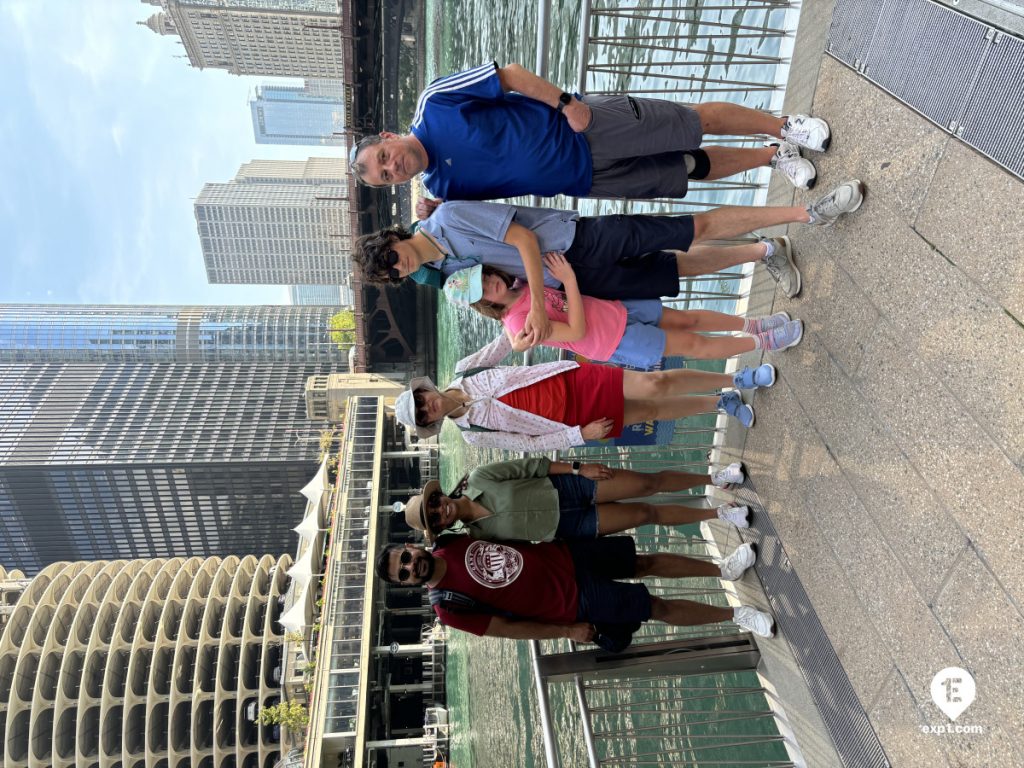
[(888, 455)]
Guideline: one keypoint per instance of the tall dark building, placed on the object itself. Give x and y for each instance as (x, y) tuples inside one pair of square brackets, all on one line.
[(138, 459)]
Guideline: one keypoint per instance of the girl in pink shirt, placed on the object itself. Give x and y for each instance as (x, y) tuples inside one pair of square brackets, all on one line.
[(637, 333)]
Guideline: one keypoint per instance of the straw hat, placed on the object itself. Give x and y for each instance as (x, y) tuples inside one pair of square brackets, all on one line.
[(416, 513)]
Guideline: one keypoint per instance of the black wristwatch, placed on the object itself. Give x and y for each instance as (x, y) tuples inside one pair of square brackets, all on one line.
[(576, 467), (564, 100)]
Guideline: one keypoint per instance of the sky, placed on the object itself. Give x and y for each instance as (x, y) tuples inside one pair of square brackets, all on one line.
[(107, 135)]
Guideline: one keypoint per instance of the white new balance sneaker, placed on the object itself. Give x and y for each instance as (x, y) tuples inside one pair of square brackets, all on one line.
[(758, 622), (807, 132), (787, 161), (736, 564)]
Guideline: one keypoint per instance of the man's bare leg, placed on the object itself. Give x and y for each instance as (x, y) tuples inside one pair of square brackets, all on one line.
[(727, 161), (687, 613), (726, 119), (708, 259), (734, 220)]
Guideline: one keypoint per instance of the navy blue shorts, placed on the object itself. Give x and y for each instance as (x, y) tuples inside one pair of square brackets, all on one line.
[(577, 511), (602, 599), (628, 257)]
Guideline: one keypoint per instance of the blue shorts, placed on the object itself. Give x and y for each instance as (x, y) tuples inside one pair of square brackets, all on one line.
[(602, 599), (643, 342), (577, 512)]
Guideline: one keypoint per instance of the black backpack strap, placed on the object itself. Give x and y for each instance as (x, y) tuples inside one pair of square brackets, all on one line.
[(459, 602)]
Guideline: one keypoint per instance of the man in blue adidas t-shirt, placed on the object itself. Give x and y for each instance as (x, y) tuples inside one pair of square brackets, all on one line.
[(492, 132)]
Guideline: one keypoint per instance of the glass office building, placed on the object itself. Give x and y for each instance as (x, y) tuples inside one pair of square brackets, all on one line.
[(136, 459), (157, 334), (298, 115)]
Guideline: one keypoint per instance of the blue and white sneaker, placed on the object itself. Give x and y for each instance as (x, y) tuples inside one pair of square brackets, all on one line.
[(752, 378), (783, 337), (733, 404)]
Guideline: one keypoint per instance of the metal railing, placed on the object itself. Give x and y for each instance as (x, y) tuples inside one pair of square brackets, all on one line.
[(681, 696)]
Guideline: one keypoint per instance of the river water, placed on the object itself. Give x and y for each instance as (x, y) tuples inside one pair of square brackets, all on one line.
[(491, 695)]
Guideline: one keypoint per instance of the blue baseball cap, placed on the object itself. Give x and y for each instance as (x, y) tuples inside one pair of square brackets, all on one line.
[(465, 286)]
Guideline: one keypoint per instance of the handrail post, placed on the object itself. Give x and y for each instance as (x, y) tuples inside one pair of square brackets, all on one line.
[(544, 704)]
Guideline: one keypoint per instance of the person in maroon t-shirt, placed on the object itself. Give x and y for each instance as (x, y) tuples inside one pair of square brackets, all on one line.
[(561, 589)]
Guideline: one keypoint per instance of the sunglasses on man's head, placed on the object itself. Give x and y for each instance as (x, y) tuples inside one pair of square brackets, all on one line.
[(390, 262), (405, 559)]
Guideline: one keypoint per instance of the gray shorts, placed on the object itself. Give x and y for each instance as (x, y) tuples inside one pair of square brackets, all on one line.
[(638, 146)]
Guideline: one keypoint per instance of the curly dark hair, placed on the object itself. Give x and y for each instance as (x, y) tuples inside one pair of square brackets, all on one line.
[(357, 168), (371, 253), (492, 309)]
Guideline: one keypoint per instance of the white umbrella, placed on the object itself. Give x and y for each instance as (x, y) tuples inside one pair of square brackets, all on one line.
[(294, 619), (314, 489), (310, 525), (302, 571)]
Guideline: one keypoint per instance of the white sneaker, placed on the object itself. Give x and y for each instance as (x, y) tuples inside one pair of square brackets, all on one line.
[(730, 476), (736, 564), (736, 514), (758, 622), (798, 170), (846, 198), (807, 132)]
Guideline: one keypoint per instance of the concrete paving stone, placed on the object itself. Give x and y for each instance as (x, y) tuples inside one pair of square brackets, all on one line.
[(795, 447), (969, 188), (880, 583), (988, 630), (898, 720), (965, 470), (834, 309), (900, 616), (975, 349), (924, 536), (875, 139)]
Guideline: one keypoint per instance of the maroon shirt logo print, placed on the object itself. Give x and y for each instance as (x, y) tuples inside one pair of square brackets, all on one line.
[(493, 565)]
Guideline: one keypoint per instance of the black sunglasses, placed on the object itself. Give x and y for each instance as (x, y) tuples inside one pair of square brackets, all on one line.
[(390, 262), (405, 559), (418, 400)]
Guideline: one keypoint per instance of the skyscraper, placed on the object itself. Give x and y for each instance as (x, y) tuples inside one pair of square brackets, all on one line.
[(136, 459), (287, 114), (171, 334), (278, 223), (142, 662), (281, 38), (322, 295)]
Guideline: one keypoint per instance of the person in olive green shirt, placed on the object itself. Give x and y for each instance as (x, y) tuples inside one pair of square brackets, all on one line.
[(539, 500)]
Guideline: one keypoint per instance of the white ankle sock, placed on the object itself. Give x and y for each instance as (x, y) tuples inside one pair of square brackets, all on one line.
[(769, 249)]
